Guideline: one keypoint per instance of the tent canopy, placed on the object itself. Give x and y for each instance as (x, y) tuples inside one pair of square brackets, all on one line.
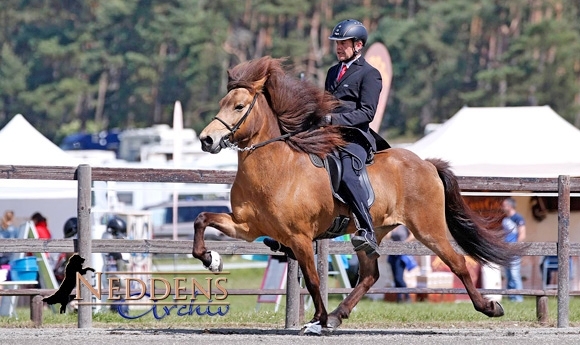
[(22, 144), (505, 141)]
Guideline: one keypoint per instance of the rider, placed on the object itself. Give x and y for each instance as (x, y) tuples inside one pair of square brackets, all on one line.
[(358, 85)]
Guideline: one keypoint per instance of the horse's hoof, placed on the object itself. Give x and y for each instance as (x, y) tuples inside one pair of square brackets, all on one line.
[(494, 309), (311, 328), (498, 309), (327, 330), (216, 264), (333, 322)]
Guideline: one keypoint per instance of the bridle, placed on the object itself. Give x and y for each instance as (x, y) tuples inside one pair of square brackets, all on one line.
[(225, 142)]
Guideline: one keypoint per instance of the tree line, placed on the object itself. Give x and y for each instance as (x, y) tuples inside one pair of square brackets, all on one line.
[(90, 65)]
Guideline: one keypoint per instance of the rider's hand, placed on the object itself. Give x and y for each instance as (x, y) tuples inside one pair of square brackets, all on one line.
[(325, 120)]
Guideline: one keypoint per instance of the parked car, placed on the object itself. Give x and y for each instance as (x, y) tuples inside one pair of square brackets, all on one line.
[(187, 211)]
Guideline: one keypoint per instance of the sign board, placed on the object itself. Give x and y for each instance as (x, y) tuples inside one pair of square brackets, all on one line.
[(275, 277), (46, 276), (378, 56)]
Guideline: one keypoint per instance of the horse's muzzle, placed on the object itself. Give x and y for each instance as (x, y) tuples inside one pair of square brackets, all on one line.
[(208, 144)]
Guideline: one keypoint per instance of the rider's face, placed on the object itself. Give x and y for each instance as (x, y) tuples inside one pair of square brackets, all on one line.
[(345, 49)]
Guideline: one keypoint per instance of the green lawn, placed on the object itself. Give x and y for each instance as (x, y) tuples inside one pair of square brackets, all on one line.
[(368, 313)]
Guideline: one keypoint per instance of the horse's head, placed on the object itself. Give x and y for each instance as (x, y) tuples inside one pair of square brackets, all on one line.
[(235, 107), (295, 105)]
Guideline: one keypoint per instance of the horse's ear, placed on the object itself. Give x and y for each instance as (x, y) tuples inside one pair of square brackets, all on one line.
[(258, 85)]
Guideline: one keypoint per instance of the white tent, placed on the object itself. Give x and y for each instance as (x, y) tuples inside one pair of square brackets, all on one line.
[(505, 141), (22, 144)]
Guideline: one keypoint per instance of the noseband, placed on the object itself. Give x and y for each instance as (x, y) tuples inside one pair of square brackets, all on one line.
[(225, 142)]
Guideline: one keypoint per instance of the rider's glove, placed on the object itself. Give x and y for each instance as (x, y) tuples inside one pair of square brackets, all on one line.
[(325, 120)]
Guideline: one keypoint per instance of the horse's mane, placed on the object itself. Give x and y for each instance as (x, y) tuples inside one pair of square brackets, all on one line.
[(299, 105)]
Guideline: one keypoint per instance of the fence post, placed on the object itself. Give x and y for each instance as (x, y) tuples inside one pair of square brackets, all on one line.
[(563, 250), (85, 318), (322, 265), (292, 295), (36, 306), (542, 309)]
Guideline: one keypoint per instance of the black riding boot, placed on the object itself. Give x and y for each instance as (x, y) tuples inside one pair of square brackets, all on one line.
[(364, 239), (353, 159)]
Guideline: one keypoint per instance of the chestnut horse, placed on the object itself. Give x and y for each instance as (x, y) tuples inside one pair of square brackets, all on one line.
[(270, 118)]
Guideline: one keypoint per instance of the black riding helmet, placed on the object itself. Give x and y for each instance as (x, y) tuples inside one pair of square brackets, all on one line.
[(70, 227), (349, 29), (117, 226)]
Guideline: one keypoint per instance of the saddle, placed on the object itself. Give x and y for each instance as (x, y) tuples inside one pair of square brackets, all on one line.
[(333, 166)]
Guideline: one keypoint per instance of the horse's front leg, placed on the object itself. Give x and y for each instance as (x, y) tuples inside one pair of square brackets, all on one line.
[(302, 248), (368, 275), (224, 223)]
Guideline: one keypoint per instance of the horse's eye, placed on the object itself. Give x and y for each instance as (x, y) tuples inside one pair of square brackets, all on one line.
[(239, 107)]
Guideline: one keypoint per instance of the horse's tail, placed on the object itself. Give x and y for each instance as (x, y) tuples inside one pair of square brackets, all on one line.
[(473, 233)]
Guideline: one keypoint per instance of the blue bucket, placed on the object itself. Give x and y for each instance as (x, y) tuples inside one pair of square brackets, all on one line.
[(24, 269)]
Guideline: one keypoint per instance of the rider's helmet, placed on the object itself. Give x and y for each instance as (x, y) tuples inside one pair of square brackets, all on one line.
[(70, 228), (117, 227), (349, 29)]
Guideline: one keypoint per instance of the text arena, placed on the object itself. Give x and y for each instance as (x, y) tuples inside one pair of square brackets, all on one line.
[(187, 294)]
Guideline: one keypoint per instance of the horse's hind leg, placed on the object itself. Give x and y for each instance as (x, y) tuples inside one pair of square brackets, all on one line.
[(368, 275), (437, 241)]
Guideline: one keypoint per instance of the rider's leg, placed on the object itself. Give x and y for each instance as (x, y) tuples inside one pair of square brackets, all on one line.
[(353, 163)]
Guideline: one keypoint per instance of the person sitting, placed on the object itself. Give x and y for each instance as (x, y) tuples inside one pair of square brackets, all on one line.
[(41, 225), (7, 230), (358, 86)]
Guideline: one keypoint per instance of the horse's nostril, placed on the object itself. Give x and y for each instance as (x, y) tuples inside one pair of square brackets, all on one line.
[(206, 143)]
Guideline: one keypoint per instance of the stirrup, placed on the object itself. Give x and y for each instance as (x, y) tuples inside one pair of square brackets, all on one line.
[(369, 247)]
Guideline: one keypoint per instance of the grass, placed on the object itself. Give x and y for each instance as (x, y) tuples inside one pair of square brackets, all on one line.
[(371, 314), (367, 315)]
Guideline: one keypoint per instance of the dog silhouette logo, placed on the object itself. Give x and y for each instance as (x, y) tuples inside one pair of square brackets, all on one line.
[(63, 294)]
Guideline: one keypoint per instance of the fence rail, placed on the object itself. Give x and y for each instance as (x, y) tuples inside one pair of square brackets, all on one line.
[(466, 183), (235, 247), (85, 174)]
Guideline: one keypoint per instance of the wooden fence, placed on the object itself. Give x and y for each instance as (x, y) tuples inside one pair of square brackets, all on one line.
[(85, 245)]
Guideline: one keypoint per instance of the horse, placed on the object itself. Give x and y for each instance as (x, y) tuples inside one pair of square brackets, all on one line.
[(271, 118)]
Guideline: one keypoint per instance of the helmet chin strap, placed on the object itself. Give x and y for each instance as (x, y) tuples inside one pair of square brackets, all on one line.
[(354, 56)]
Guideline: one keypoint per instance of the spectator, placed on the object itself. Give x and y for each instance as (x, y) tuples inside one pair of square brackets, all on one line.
[(41, 225), (7, 230), (401, 262), (514, 226)]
